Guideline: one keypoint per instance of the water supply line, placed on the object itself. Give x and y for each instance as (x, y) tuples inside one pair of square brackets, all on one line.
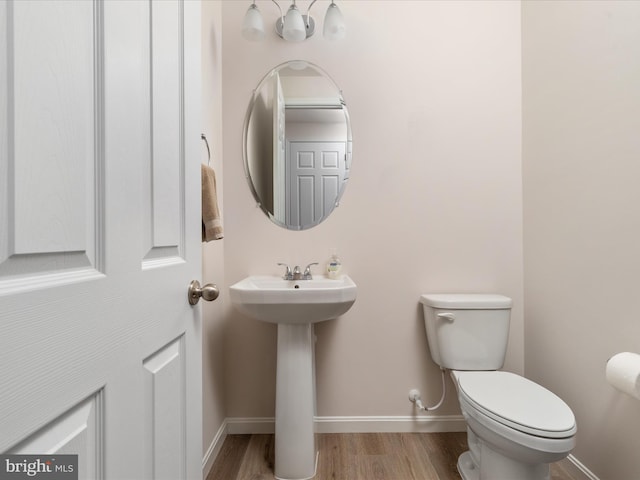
[(414, 396)]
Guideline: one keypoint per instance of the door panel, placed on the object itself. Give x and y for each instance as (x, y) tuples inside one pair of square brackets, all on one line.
[(100, 235), (315, 173), (50, 129), (165, 219), (164, 397), (77, 431)]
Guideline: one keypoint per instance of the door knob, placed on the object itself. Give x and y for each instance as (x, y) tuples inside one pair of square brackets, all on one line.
[(209, 292)]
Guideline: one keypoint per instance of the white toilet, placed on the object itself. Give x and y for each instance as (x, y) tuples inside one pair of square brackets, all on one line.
[(515, 427)]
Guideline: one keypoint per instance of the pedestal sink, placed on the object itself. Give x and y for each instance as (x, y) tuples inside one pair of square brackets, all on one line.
[(295, 305)]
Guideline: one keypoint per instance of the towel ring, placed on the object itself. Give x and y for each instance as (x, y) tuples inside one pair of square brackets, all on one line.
[(203, 137)]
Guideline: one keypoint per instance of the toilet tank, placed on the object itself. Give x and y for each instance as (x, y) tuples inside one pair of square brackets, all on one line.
[(467, 331)]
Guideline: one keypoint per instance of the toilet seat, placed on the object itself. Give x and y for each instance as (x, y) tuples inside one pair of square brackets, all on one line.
[(516, 402)]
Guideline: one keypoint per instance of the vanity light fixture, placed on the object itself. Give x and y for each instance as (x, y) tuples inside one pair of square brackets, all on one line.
[(294, 26)]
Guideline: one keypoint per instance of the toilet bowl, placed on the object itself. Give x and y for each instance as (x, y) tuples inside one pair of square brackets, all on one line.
[(515, 427)]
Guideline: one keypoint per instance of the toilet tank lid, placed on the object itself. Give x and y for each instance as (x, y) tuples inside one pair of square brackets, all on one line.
[(466, 300)]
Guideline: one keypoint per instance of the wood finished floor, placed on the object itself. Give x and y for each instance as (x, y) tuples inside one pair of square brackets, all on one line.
[(361, 456)]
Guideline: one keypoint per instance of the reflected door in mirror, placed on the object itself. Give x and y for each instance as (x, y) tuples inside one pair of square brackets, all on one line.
[(315, 176)]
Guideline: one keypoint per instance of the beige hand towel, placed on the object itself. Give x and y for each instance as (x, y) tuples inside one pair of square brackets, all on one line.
[(211, 223)]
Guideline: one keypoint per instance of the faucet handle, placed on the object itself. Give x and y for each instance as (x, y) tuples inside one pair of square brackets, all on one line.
[(307, 271), (287, 274)]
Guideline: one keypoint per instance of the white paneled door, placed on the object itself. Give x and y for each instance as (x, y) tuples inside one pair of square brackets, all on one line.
[(315, 175), (100, 350)]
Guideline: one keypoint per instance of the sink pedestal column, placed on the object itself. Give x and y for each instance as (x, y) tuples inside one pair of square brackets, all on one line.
[(295, 403)]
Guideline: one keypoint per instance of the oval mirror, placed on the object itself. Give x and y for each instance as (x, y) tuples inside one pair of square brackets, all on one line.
[(297, 145)]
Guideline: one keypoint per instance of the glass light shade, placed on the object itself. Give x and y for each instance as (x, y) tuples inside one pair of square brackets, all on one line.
[(334, 27), (294, 29), (253, 25)]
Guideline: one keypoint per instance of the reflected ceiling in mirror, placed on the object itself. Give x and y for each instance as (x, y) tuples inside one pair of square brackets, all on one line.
[(297, 145)]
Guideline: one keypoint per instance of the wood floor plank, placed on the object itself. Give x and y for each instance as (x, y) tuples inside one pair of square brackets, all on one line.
[(382, 467), (230, 457), (258, 460), (416, 456), (336, 456), (443, 450), (371, 444)]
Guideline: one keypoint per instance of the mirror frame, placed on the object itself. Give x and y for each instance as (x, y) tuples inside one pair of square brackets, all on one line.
[(245, 133)]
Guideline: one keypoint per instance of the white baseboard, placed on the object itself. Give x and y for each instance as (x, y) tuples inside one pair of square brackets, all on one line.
[(250, 425), (424, 423), (214, 449), (400, 424), (580, 466)]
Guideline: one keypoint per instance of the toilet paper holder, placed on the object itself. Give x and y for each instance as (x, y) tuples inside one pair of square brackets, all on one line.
[(623, 372)]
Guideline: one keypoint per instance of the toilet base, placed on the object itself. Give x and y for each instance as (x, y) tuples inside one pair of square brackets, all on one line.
[(469, 471), (482, 462), (467, 468)]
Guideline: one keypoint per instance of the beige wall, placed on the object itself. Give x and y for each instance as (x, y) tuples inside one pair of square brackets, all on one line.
[(433, 205), (581, 144)]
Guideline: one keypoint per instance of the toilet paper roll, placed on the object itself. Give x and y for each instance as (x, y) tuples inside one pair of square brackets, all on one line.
[(623, 372)]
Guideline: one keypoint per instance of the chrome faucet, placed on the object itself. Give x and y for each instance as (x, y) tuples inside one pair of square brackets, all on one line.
[(287, 274), (297, 274), (307, 272)]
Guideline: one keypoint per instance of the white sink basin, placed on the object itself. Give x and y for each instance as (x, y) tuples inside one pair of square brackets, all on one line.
[(295, 305), (271, 299)]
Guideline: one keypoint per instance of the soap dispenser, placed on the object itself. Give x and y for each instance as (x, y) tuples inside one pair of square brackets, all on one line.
[(334, 265)]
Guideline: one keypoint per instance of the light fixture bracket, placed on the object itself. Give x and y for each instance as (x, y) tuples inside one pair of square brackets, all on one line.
[(309, 23)]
